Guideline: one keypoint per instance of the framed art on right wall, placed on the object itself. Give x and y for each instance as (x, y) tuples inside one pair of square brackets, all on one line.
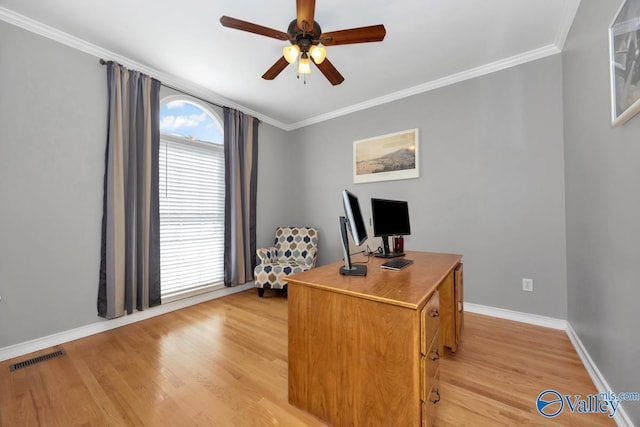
[(624, 51)]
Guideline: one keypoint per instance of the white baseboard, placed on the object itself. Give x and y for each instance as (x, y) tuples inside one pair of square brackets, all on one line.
[(37, 344), (621, 418), (517, 316)]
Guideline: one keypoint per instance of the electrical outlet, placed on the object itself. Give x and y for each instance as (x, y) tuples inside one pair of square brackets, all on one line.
[(527, 285)]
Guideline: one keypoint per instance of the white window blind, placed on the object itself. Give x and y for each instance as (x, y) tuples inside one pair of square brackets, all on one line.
[(191, 215)]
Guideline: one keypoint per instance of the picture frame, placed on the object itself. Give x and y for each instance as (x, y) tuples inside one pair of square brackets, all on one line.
[(386, 157), (624, 52)]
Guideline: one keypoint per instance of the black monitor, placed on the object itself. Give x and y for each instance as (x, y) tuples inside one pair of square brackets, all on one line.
[(389, 218), (354, 222)]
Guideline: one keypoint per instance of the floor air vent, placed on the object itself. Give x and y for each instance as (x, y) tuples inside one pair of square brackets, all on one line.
[(35, 360)]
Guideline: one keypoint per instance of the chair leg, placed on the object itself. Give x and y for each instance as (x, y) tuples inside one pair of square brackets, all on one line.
[(260, 292)]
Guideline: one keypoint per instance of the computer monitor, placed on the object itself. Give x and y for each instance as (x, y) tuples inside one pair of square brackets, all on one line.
[(389, 218), (353, 222)]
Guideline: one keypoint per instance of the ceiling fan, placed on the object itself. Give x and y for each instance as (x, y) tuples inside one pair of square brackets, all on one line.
[(305, 38)]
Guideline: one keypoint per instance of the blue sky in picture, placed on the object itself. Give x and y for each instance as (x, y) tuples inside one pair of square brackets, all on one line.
[(190, 121)]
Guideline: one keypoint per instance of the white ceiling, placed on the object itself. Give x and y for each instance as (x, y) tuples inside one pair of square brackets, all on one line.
[(429, 43)]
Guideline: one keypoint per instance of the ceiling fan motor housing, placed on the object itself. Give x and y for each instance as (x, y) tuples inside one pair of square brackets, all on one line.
[(302, 37)]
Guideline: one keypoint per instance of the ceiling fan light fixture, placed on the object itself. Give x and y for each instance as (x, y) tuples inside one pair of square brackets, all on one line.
[(304, 66), (318, 54), (291, 53)]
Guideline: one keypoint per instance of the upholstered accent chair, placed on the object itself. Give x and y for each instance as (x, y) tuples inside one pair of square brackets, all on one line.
[(294, 251)]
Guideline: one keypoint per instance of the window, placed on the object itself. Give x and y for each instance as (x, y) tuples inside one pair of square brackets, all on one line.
[(191, 198)]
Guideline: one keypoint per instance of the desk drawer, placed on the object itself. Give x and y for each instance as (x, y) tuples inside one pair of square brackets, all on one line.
[(430, 405), (429, 364), (429, 321)]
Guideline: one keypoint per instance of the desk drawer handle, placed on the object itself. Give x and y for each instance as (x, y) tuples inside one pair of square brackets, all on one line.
[(435, 399), (435, 313), (434, 355)]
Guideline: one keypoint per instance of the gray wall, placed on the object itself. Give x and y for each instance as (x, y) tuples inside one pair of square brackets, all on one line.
[(491, 183), (603, 206), (53, 114), (278, 174), (52, 132), (492, 187)]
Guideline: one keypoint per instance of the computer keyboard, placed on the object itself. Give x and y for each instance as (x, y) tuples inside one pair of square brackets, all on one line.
[(396, 263)]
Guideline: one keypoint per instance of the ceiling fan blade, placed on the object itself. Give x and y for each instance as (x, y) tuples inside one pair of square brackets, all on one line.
[(275, 69), (305, 10), (330, 72), (238, 24), (374, 33)]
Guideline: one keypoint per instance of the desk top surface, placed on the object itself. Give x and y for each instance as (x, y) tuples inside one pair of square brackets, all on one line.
[(409, 287)]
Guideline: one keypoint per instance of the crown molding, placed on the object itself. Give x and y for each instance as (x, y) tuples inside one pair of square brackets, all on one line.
[(568, 15), (44, 30), (52, 33), (435, 84)]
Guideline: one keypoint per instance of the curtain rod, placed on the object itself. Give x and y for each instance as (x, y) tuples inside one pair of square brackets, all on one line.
[(103, 62)]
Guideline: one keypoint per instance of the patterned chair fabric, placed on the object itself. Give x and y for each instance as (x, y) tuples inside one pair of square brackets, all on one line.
[(294, 251)]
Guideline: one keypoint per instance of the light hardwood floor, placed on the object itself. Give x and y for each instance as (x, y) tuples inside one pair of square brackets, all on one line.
[(224, 363)]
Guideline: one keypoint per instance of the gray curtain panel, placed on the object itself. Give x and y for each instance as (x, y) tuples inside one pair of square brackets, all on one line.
[(241, 185), (130, 264)]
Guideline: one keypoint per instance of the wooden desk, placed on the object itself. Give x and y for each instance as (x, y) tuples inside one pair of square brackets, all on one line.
[(364, 350)]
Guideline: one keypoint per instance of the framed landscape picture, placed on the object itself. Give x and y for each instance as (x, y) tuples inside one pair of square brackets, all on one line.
[(624, 48), (386, 157)]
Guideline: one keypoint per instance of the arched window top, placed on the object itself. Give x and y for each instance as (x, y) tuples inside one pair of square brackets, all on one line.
[(186, 117)]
